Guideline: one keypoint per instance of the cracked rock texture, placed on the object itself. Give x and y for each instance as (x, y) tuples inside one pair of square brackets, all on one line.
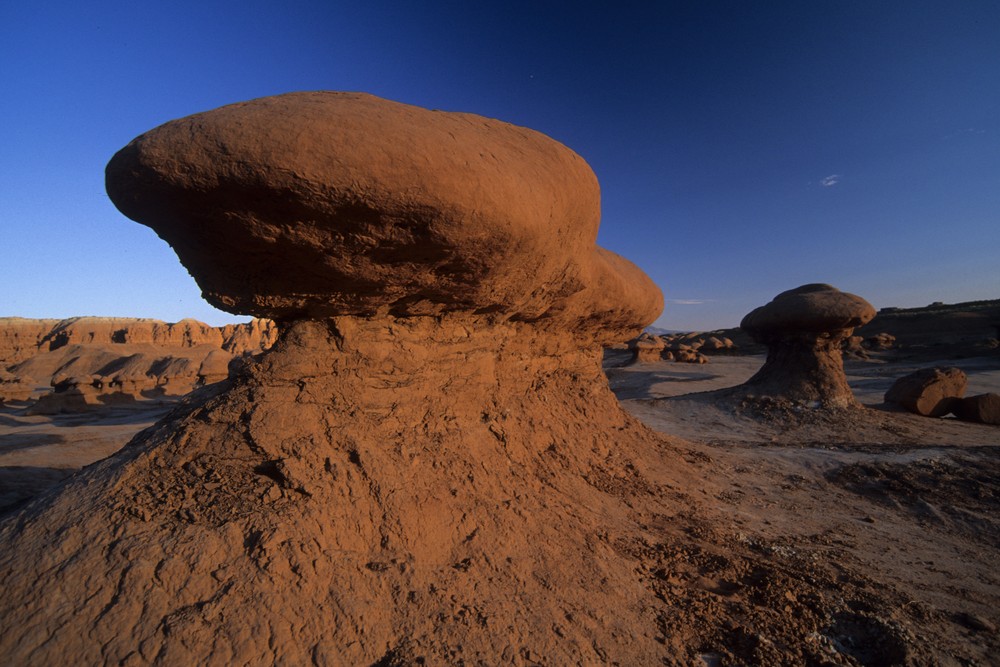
[(413, 487)]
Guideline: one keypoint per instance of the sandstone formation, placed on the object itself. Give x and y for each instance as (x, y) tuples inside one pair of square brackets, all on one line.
[(880, 341), (695, 347), (709, 343), (939, 330), (22, 338), (931, 392), (853, 347), (440, 213), (114, 359), (645, 349), (425, 468), (982, 408), (688, 356), (804, 330)]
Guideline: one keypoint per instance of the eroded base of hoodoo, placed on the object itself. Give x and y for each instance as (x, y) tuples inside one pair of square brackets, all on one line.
[(806, 370), (352, 498)]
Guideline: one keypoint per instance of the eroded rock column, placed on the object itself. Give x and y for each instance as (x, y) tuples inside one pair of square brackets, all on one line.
[(804, 330), (427, 465)]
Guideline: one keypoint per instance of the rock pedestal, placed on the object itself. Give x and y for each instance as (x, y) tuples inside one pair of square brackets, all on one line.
[(804, 330), (424, 468), (646, 349)]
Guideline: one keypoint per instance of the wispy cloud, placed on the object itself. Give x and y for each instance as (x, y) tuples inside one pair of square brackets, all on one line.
[(965, 131), (830, 180), (688, 302)]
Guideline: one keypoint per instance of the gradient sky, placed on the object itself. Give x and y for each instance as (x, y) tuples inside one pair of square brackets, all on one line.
[(743, 148)]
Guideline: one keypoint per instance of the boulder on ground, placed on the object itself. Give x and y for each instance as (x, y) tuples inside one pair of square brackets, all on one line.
[(983, 408), (931, 392), (804, 330)]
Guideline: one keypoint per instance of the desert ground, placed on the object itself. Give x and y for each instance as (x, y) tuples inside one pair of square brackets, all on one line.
[(908, 503), (889, 503)]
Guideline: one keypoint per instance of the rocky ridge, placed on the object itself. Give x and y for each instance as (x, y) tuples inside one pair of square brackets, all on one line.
[(76, 362)]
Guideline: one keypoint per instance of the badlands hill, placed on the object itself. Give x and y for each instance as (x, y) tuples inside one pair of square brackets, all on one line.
[(21, 338), (68, 364), (960, 328)]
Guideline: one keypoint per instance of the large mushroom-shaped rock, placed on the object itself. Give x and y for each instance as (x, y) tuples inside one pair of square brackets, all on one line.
[(804, 330), (428, 464), (320, 204)]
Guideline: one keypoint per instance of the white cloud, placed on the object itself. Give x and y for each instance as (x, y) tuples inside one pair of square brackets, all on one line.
[(687, 302), (830, 180)]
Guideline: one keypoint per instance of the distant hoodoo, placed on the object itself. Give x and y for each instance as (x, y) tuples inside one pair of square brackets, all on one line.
[(804, 330), (646, 349)]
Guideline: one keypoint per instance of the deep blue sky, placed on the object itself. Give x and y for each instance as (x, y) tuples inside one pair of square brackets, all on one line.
[(743, 148)]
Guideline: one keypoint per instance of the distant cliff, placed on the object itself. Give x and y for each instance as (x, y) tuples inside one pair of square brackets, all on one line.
[(958, 324), (91, 360)]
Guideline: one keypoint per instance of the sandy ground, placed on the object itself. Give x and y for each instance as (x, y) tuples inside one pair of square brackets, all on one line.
[(910, 502), (39, 450), (900, 504)]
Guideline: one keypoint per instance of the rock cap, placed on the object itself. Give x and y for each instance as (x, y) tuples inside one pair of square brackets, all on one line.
[(317, 204), (812, 308)]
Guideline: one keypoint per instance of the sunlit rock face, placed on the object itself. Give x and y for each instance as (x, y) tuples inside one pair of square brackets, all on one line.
[(804, 330), (426, 464)]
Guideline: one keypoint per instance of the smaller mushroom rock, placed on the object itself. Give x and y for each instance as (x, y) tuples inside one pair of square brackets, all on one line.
[(882, 341), (931, 392), (984, 409), (646, 349), (804, 330)]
